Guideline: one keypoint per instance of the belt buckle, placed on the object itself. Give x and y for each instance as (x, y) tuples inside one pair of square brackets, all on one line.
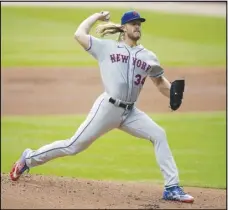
[(128, 106)]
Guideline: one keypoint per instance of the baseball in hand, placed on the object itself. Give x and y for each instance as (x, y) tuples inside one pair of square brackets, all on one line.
[(105, 15)]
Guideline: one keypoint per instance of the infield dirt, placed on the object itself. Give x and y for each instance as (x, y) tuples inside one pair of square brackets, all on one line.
[(73, 91)]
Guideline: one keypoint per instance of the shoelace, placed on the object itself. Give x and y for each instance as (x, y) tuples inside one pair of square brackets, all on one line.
[(180, 191)]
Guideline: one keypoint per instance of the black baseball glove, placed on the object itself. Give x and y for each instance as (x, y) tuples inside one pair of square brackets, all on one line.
[(176, 93)]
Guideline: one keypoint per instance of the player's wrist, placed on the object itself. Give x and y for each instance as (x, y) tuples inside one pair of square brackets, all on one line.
[(98, 15)]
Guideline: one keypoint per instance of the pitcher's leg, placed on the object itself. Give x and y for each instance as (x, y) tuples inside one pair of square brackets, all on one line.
[(96, 124), (140, 125)]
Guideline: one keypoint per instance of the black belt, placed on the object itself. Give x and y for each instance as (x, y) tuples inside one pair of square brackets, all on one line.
[(122, 105)]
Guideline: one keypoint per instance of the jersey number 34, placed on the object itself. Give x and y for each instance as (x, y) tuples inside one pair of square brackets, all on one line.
[(139, 79)]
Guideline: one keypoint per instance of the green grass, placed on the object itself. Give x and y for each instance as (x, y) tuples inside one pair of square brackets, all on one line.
[(197, 140), (39, 36)]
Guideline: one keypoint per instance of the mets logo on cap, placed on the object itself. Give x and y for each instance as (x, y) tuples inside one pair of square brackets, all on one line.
[(135, 13)]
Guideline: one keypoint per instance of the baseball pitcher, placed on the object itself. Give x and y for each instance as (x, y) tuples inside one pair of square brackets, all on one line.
[(124, 67)]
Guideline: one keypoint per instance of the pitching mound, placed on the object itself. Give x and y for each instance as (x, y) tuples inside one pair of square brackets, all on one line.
[(35, 191)]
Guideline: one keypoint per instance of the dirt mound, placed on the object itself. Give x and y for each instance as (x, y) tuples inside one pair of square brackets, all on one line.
[(73, 91), (36, 191)]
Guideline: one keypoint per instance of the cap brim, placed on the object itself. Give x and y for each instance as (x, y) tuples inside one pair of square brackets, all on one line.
[(142, 19)]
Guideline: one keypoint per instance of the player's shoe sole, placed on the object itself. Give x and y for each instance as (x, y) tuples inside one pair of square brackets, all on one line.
[(19, 167)]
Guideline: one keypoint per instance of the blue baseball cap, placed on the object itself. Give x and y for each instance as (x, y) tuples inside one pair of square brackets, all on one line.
[(131, 15)]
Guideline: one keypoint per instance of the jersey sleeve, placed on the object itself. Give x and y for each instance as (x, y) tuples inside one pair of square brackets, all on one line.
[(156, 70), (96, 47)]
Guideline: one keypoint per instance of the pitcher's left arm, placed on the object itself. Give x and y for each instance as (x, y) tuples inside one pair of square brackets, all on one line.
[(162, 84), (174, 91)]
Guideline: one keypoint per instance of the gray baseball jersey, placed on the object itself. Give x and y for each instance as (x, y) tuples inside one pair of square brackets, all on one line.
[(123, 71)]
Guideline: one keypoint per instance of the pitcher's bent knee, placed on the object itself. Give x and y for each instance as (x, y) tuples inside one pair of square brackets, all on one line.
[(159, 135), (162, 133)]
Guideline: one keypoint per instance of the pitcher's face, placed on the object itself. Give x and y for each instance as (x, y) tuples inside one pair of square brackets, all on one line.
[(133, 30)]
